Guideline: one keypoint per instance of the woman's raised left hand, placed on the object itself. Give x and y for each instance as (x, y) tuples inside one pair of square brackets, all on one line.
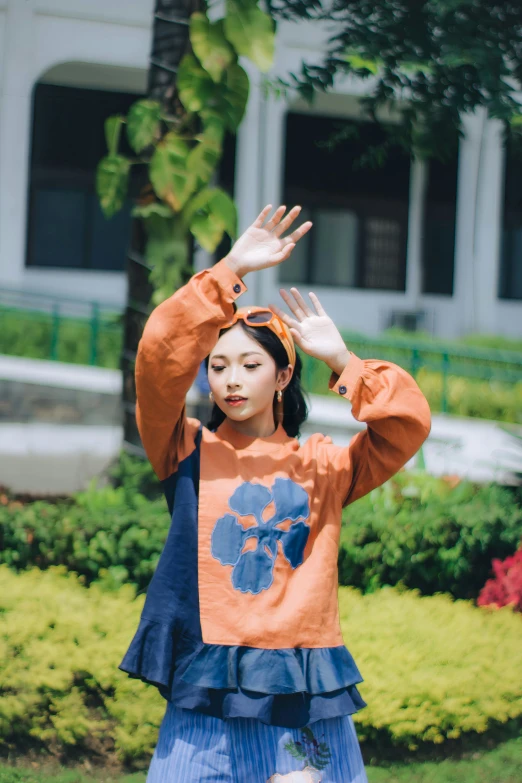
[(313, 330)]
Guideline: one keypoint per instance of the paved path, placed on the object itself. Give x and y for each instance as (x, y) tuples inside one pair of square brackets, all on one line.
[(61, 458)]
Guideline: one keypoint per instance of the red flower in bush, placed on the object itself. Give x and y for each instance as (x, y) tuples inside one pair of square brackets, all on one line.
[(506, 587)]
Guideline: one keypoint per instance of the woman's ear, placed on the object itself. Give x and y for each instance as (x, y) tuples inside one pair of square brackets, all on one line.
[(285, 377)]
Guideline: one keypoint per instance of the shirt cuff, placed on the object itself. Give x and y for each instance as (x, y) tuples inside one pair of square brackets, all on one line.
[(231, 284), (345, 383)]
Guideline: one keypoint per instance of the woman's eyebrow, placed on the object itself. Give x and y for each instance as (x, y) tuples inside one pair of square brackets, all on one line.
[(247, 353)]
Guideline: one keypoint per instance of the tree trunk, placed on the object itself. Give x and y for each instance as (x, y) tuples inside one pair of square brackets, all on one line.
[(170, 42)]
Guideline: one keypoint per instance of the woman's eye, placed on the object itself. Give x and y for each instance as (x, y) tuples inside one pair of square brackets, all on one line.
[(251, 366), (217, 368)]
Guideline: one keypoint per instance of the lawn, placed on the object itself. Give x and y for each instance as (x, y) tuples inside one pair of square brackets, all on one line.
[(502, 765)]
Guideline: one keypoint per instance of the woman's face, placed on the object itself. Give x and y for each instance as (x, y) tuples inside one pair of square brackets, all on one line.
[(243, 377)]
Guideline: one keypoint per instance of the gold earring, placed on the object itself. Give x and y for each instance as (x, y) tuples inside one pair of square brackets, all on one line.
[(211, 396), (279, 410)]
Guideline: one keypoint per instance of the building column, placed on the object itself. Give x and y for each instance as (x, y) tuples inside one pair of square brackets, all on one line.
[(249, 161), (15, 138), (477, 247), (488, 229), (418, 182), (272, 158)]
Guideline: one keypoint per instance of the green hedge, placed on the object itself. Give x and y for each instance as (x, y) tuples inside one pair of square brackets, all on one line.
[(416, 530), (107, 533), (30, 334), (494, 400), (434, 670), (425, 533)]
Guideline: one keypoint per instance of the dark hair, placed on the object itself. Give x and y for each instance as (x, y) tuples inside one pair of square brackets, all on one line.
[(295, 408)]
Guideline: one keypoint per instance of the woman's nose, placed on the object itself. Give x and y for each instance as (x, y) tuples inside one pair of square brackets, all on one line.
[(233, 378)]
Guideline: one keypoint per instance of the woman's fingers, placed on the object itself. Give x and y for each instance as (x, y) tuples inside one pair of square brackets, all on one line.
[(290, 322), (276, 217), (283, 254), (299, 307), (260, 219), (299, 312), (285, 224), (296, 235), (316, 303), (301, 302), (289, 302)]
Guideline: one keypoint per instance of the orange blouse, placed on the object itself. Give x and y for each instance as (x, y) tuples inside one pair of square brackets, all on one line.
[(269, 509)]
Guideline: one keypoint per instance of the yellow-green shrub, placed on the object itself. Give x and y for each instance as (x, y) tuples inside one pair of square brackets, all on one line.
[(481, 399), (60, 646), (433, 668)]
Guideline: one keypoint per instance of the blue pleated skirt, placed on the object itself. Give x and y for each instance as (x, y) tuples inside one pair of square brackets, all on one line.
[(196, 748)]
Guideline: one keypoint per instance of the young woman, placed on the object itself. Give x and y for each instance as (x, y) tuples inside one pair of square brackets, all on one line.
[(240, 629)]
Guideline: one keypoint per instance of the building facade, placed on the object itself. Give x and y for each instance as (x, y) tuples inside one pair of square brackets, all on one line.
[(429, 245)]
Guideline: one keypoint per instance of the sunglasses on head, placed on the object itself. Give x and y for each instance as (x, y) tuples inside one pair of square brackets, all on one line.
[(261, 316)]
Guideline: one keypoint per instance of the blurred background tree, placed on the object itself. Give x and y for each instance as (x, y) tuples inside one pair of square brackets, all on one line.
[(425, 64)]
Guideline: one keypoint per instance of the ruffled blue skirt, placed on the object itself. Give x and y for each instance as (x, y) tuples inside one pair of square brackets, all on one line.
[(289, 688), (197, 748)]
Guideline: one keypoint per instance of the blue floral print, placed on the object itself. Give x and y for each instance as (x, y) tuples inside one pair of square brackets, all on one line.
[(253, 569)]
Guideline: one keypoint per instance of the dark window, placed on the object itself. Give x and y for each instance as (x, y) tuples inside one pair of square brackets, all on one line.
[(66, 227), (511, 256), (360, 212), (438, 246)]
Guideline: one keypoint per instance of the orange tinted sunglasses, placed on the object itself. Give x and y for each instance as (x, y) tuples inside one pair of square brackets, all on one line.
[(262, 316)]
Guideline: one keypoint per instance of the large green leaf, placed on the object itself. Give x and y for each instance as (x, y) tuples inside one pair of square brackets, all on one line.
[(195, 87), (210, 45), (169, 175), (112, 179), (251, 32), (112, 129), (208, 230), (209, 214), (202, 162), (222, 103), (235, 96), (143, 121), (223, 206), (205, 156), (167, 253), (229, 100), (213, 131)]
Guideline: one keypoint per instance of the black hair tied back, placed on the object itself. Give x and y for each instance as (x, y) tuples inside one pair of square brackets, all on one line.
[(295, 408)]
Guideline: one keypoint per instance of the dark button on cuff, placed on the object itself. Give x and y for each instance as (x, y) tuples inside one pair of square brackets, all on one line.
[(342, 389), (237, 288)]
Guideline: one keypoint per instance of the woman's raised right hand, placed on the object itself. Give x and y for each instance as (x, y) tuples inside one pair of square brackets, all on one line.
[(262, 246)]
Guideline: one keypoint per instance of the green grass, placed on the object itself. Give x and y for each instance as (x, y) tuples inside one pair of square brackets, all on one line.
[(501, 765), (55, 774)]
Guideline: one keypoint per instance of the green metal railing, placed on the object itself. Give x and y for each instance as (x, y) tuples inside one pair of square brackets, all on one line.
[(88, 332), (447, 361), (67, 329)]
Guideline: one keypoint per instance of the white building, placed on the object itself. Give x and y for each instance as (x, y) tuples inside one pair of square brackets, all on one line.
[(442, 241)]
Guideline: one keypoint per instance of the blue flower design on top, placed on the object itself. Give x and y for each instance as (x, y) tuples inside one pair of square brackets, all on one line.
[(253, 569)]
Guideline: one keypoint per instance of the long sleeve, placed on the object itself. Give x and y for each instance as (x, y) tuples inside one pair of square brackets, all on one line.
[(179, 334), (398, 422)]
